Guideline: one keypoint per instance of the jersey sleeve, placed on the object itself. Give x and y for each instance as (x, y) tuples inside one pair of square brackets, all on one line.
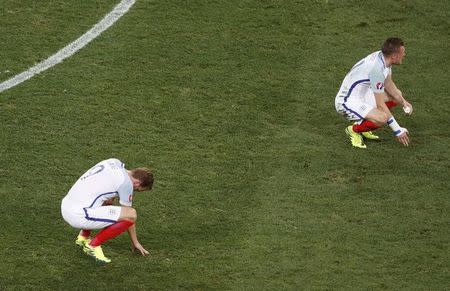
[(126, 191), (376, 78)]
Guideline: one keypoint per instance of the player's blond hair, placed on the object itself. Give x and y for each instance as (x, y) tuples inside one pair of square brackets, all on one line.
[(145, 176)]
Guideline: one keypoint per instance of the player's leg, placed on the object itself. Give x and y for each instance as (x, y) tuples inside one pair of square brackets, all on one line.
[(128, 213), (390, 101), (366, 127), (74, 215), (372, 122), (374, 118), (85, 232), (350, 114), (83, 237), (107, 219), (364, 112), (377, 118), (391, 104), (126, 219)]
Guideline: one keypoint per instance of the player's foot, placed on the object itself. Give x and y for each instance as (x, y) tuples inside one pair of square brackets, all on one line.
[(355, 138), (82, 241), (370, 135), (96, 253)]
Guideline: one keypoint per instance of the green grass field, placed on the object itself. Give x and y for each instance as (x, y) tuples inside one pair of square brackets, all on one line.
[(232, 104)]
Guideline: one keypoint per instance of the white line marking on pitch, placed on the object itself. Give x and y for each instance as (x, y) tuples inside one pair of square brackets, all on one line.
[(72, 47)]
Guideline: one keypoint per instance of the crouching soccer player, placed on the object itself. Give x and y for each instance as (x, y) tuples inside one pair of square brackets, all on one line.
[(87, 206), (368, 93)]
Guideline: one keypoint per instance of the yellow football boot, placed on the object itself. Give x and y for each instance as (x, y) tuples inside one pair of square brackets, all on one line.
[(81, 241), (370, 135), (355, 138), (96, 253)]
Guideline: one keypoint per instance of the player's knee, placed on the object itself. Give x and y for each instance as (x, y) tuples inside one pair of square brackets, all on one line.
[(133, 214), (381, 118), (385, 118), (128, 213)]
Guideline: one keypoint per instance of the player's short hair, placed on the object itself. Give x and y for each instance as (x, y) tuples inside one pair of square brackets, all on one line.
[(145, 176), (391, 46)]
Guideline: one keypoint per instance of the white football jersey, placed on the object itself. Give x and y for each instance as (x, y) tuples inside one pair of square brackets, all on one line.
[(106, 180), (369, 73)]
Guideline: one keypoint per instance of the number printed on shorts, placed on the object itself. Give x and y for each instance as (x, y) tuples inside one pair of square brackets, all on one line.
[(95, 170)]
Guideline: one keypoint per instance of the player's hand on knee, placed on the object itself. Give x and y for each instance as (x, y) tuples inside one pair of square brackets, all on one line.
[(403, 137)]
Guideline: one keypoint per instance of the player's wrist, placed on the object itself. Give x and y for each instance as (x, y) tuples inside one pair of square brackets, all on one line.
[(393, 124)]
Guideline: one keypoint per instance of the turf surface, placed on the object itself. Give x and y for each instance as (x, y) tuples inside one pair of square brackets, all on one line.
[(232, 104)]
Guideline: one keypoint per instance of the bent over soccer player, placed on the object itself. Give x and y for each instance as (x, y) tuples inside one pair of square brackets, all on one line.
[(88, 205), (368, 92)]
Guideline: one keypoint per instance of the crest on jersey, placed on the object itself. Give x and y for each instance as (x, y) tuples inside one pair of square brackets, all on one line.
[(379, 85)]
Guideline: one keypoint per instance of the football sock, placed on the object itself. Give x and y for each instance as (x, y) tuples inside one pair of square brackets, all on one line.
[(111, 232), (85, 232), (366, 125), (391, 104)]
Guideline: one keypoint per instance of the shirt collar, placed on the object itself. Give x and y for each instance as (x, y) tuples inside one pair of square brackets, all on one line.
[(381, 56)]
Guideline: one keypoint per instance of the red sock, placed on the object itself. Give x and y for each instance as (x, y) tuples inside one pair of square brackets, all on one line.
[(391, 104), (85, 232), (366, 125), (111, 232)]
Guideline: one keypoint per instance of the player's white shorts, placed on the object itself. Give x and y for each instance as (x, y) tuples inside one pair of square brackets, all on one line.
[(89, 218), (356, 104)]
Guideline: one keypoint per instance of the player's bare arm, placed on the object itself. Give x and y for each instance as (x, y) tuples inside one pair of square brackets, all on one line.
[(392, 90), (402, 135), (396, 94), (381, 105), (129, 213), (136, 244)]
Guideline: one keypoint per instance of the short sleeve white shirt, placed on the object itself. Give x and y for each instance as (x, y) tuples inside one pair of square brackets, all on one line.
[(106, 180), (370, 72)]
